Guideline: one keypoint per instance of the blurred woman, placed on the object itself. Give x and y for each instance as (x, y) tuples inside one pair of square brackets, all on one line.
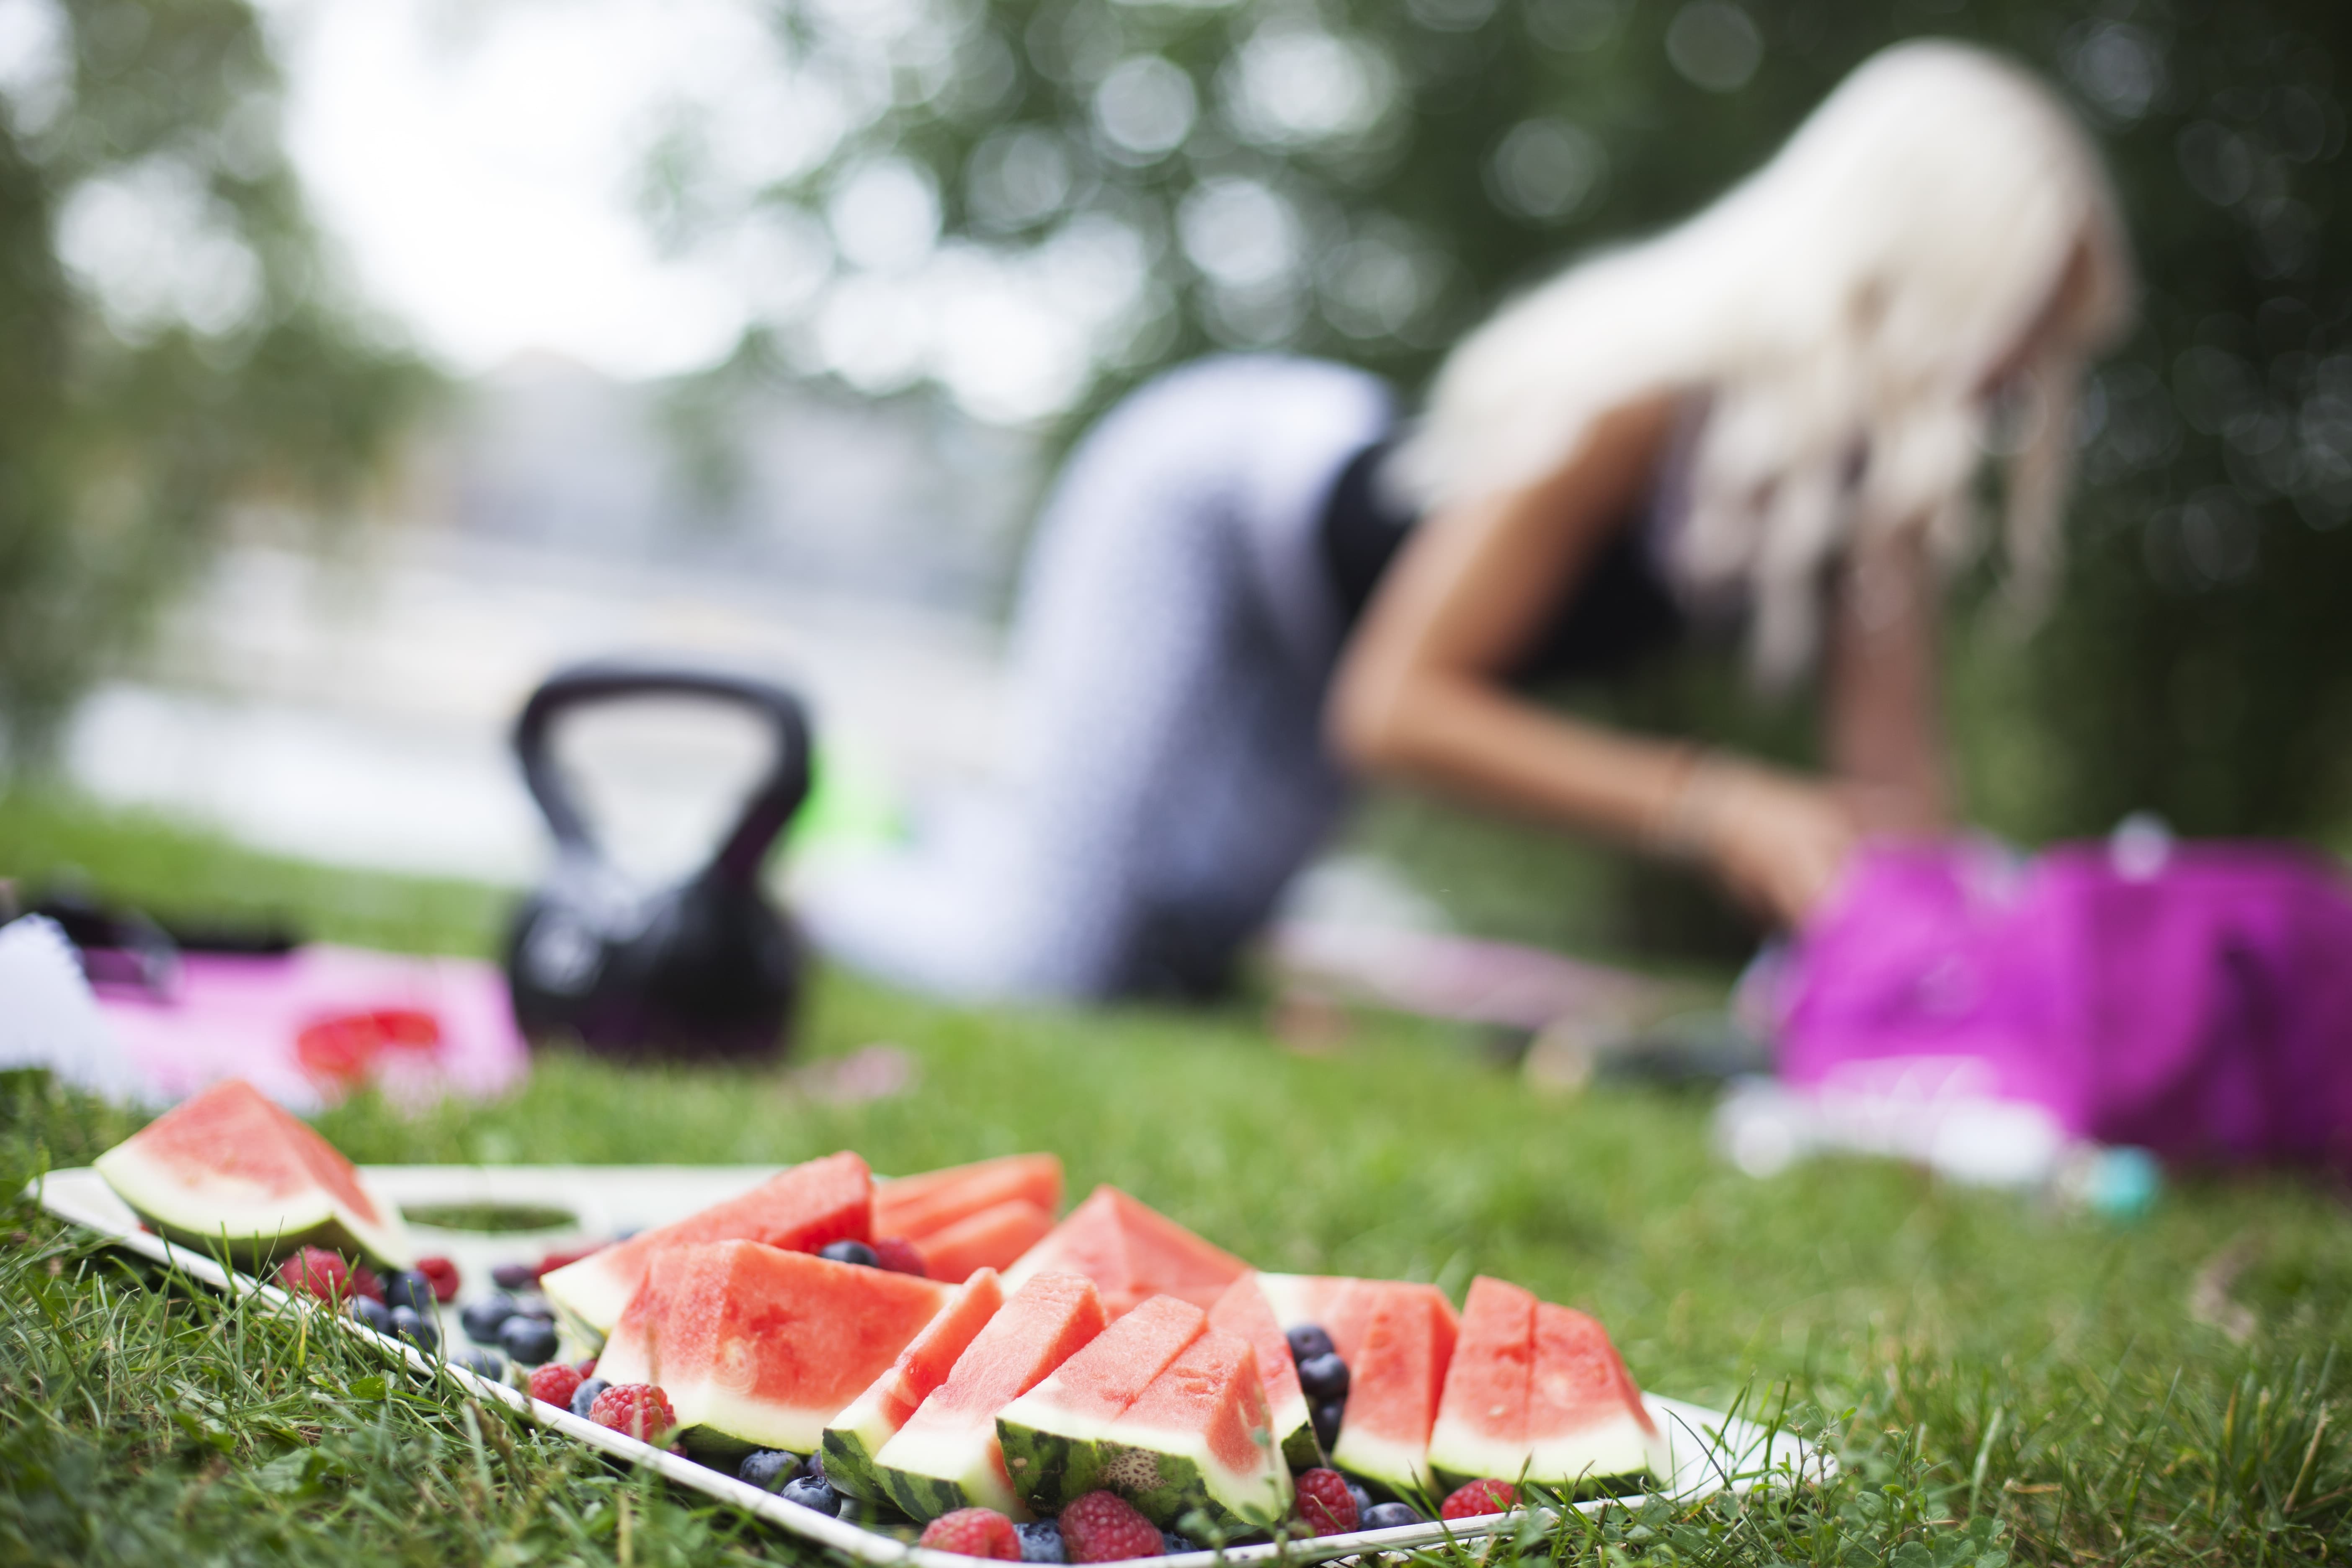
[(1251, 583)]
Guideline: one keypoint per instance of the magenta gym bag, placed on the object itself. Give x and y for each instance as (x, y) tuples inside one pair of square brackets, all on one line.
[(2195, 1001)]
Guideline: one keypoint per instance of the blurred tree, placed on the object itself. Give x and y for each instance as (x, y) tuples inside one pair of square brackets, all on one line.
[(170, 337), (1113, 186)]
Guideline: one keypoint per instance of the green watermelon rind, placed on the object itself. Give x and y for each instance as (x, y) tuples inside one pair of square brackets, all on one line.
[(1048, 1467), (1402, 1468), (1301, 1450), (1166, 1484), (850, 1442), (927, 1473)]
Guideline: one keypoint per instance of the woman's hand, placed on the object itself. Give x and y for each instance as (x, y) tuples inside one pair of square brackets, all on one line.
[(1777, 842)]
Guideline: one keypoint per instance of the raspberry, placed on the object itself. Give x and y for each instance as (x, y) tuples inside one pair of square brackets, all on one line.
[(444, 1275), (555, 1260), (556, 1383), (897, 1255), (1325, 1503), (1103, 1527), (639, 1409), (973, 1533), (586, 1367), (315, 1272), (1481, 1497)]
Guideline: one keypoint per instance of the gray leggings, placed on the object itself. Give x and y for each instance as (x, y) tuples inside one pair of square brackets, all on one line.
[(1166, 773)]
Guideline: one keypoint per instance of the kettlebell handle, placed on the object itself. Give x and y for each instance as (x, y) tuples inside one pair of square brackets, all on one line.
[(770, 806)]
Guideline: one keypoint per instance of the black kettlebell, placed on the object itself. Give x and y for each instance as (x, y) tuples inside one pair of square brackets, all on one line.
[(708, 968)]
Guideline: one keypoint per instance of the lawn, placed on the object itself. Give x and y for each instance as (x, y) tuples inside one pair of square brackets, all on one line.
[(2000, 1377)]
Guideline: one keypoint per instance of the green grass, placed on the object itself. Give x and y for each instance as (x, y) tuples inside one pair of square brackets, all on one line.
[(1998, 1377)]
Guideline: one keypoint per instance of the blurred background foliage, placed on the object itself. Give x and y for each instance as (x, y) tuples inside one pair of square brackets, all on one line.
[(171, 340)]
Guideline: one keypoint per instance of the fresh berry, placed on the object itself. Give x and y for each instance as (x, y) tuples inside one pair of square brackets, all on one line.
[(585, 1366), (1326, 1417), (407, 1288), (1323, 1377), (767, 1468), (374, 1313), (1309, 1340), (856, 1252), (531, 1304), (1324, 1502), (1480, 1497), (639, 1409), (1103, 1527), (583, 1398), (815, 1468), (315, 1272), (555, 1383), (1389, 1515), (444, 1275), (1364, 1502), (814, 1491), (897, 1254), (1172, 1545), (527, 1340), (484, 1363), (554, 1261), (973, 1533), (482, 1320), (415, 1328), (1041, 1541), (514, 1276)]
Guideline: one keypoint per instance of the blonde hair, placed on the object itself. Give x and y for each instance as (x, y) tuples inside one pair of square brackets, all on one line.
[(1845, 304)]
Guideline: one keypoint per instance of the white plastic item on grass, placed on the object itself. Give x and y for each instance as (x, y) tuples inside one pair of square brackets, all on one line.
[(49, 1019)]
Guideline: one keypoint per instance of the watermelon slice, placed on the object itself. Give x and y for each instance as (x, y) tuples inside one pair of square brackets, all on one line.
[(1397, 1340), (995, 1238), (946, 1456), (920, 1205), (1245, 1313), (1132, 1253), (874, 1417), (231, 1169), (757, 1347), (797, 1210), (1586, 1421), (1538, 1389), (1048, 1434), (1200, 1438)]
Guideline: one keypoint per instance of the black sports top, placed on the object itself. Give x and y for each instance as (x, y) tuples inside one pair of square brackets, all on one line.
[(1622, 609)]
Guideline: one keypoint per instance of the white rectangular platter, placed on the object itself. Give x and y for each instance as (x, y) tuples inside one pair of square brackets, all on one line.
[(1712, 1451)]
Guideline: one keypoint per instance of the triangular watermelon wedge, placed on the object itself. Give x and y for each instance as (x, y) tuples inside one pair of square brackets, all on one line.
[(798, 1210), (1132, 1253), (1397, 1340), (756, 1347), (946, 1456), (1586, 1421), (853, 1437), (913, 1207), (1245, 1313), (1482, 1417), (231, 1169), (1198, 1440), (1048, 1434), (992, 1238)]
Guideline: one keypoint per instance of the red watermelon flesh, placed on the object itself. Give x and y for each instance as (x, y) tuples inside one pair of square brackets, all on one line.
[(1132, 1253), (947, 1455), (920, 1205), (798, 1210), (231, 1166), (757, 1347), (1245, 1313), (995, 1238), (1397, 1355), (1585, 1417), (854, 1437), (1048, 1434), (1200, 1437), (1481, 1418)]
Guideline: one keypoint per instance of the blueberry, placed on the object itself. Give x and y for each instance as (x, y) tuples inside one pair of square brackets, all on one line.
[(484, 1363), (407, 1288), (1041, 1541), (1326, 1424), (586, 1395), (856, 1252), (1388, 1515), (531, 1304), (415, 1328), (819, 1495), (1171, 1543), (1363, 1501), (1323, 1377), (767, 1467), (514, 1276), (529, 1341), (482, 1320), (814, 1469), (372, 1312), (1309, 1340)]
